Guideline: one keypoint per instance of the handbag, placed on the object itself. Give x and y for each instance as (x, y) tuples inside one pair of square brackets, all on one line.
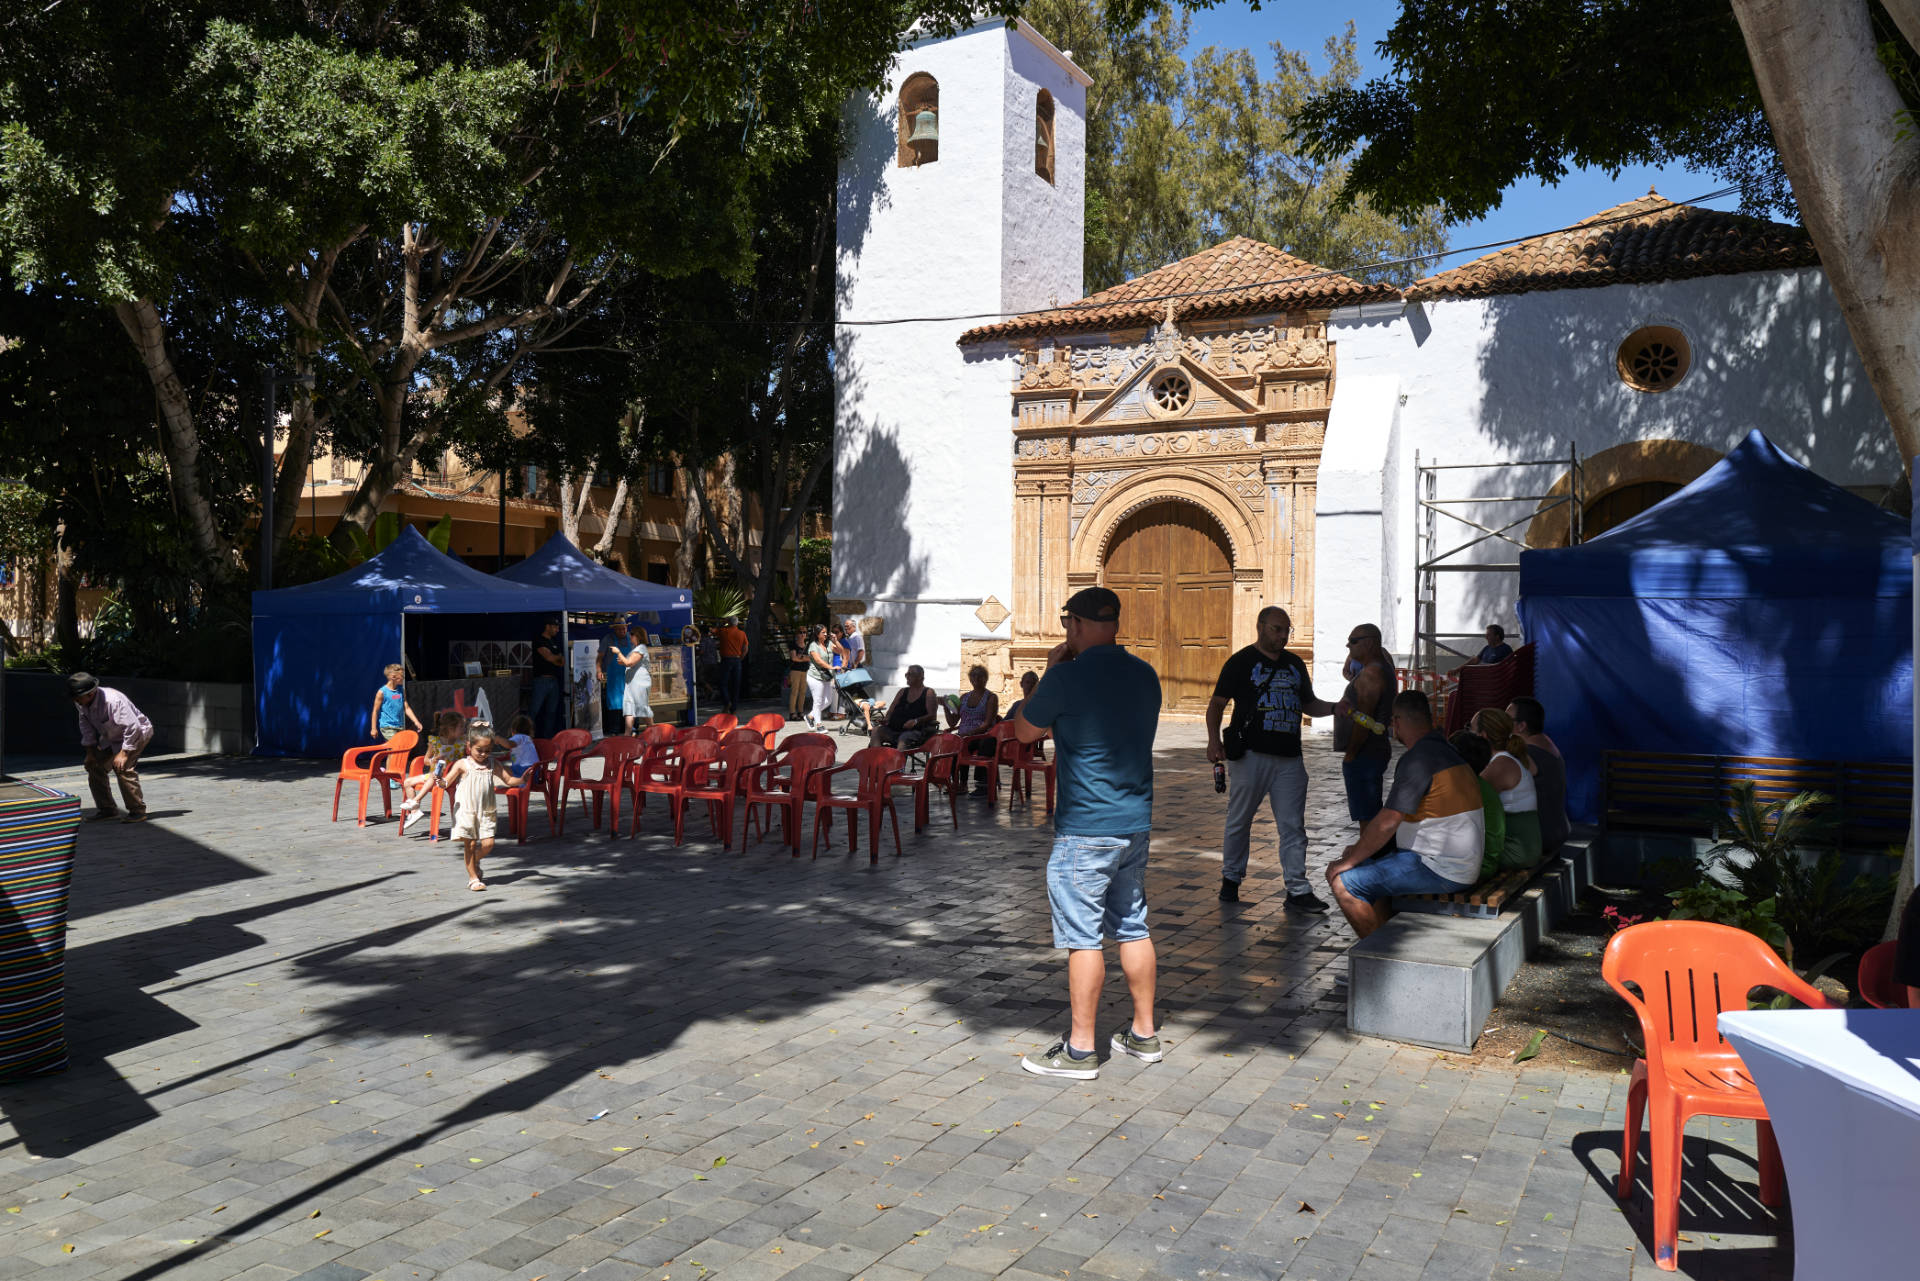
[(851, 677), (1233, 742)]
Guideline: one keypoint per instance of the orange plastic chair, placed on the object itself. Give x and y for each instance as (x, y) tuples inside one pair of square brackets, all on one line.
[(1877, 985), (769, 724), (617, 752), (382, 763), (1687, 973), (783, 782), (987, 751), (875, 768), (745, 734), (721, 722), (432, 798), (942, 770)]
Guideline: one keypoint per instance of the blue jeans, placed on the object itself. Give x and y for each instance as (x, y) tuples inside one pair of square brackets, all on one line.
[(731, 670), (545, 711), (1397, 872), (1281, 781), (1364, 777), (1097, 886)]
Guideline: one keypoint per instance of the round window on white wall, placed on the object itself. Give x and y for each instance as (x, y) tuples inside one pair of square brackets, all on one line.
[(1654, 358)]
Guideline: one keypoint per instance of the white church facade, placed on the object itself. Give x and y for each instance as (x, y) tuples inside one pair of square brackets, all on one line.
[(1242, 428)]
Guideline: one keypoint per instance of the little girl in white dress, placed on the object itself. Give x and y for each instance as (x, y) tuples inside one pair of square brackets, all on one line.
[(635, 706)]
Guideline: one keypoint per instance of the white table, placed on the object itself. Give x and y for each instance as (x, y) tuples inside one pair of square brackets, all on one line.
[(1842, 1088)]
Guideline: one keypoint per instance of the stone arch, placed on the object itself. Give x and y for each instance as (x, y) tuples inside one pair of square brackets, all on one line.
[(1245, 545), (1677, 462)]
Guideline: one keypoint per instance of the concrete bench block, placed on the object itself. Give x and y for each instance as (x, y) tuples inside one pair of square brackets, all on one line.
[(1431, 980)]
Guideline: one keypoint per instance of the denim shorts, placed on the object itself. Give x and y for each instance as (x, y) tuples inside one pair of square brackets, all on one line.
[(1400, 872), (1097, 886)]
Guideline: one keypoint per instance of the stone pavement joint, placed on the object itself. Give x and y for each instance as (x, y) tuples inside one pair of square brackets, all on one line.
[(304, 1050)]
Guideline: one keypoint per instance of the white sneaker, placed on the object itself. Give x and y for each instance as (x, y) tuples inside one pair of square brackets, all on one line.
[(413, 815)]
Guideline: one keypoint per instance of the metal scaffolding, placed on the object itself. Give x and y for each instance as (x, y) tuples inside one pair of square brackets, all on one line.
[(1430, 507)]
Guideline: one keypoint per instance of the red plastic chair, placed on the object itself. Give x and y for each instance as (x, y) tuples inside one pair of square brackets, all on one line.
[(1023, 761), (745, 734), (616, 753), (718, 783), (557, 752), (710, 733), (769, 725), (783, 782), (382, 763), (942, 770), (519, 798), (721, 722), (1878, 987), (667, 771), (1688, 972), (976, 753), (807, 738), (875, 768)]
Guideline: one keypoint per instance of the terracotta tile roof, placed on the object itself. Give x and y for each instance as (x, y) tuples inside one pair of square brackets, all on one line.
[(1234, 277), (1641, 241)]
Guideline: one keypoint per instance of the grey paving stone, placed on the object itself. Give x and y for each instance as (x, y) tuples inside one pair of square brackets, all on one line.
[(273, 1014)]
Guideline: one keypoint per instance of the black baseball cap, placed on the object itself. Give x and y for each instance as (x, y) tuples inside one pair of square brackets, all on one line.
[(1095, 604)]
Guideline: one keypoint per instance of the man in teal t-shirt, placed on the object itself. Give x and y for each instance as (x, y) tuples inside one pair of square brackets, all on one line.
[(1102, 706)]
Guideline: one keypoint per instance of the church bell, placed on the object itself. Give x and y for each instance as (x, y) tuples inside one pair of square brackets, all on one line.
[(926, 127)]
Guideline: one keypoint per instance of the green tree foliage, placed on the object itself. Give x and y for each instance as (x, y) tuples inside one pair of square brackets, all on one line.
[(1184, 153)]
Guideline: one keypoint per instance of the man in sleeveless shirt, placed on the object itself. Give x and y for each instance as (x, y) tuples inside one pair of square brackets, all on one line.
[(1365, 753)]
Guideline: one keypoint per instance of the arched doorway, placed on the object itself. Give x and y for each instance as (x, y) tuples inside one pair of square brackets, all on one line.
[(1618, 506), (1171, 568)]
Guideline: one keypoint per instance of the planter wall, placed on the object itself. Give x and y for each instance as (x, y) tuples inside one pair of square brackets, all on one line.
[(187, 716)]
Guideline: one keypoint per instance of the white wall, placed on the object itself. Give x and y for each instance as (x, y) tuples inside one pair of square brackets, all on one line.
[(923, 467), (1526, 376)]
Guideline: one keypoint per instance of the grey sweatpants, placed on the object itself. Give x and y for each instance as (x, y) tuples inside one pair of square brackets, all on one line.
[(1282, 782)]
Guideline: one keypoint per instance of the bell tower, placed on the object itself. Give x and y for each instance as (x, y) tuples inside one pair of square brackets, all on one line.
[(960, 201)]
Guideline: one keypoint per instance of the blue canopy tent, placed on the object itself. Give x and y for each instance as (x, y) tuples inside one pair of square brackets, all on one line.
[(1760, 611), (588, 587), (319, 649)]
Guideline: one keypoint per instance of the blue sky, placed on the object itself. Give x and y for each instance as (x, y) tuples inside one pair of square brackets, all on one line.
[(1529, 208)]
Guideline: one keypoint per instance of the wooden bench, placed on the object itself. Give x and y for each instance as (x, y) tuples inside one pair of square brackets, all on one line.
[(1683, 794), (1485, 899)]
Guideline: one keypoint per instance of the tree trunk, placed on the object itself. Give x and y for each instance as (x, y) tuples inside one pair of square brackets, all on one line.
[(686, 552), (180, 439), (66, 598), (1836, 119), (611, 525)]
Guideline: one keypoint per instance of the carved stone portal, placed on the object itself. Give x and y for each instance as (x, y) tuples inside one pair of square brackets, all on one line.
[(1091, 445)]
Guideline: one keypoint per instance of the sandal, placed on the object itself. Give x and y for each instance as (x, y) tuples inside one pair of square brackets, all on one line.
[(476, 884)]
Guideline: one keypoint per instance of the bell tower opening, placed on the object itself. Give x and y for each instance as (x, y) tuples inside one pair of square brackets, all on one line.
[(919, 120)]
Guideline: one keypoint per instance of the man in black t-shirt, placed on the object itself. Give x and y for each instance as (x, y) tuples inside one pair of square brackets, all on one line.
[(1270, 691), (546, 664)]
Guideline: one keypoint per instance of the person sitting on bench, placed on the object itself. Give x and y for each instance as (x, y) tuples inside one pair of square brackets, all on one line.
[(1549, 773), (1432, 815), (1511, 773), (1477, 752)]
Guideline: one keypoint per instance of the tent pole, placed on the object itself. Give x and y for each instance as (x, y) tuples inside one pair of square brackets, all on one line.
[(566, 670)]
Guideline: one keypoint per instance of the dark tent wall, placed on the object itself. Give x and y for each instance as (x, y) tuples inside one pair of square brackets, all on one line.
[(1760, 611), (319, 649)]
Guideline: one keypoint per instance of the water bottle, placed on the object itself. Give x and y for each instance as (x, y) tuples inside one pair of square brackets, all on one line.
[(1219, 776), (1367, 722)]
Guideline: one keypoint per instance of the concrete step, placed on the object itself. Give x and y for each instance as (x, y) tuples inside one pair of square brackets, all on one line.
[(1434, 980)]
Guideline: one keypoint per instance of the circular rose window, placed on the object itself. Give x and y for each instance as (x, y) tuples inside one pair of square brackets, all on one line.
[(1172, 392), (1654, 358)]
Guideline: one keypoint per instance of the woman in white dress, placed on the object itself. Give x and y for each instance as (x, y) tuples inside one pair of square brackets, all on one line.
[(635, 706)]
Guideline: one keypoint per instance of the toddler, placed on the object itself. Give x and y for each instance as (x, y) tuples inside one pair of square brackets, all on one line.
[(525, 755), (470, 780)]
